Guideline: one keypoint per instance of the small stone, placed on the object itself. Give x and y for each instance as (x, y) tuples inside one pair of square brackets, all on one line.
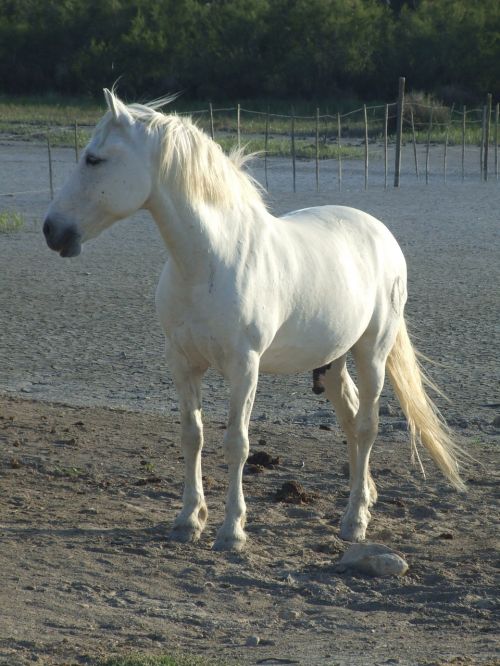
[(252, 641), (496, 422), (89, 511), (288, 614), (372, 559)]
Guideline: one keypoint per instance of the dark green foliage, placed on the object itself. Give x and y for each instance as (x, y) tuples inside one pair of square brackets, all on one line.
[(228, 49)]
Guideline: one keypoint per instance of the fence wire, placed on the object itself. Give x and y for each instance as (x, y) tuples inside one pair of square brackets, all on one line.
[(321, 151)]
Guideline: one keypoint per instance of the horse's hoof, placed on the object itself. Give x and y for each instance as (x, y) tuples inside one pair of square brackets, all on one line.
[(234, 543), (185, 533), (353, 530)]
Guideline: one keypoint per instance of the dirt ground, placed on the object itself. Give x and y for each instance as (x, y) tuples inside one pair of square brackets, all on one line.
[(91, 471), (88, 495)]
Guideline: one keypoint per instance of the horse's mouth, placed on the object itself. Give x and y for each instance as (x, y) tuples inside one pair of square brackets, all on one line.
[(72, 250), (65, 240)]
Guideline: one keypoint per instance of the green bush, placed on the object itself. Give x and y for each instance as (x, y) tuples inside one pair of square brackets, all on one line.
[(10, 221)]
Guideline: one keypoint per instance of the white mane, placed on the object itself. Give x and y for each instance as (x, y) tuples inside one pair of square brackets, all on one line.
[(198, 166)]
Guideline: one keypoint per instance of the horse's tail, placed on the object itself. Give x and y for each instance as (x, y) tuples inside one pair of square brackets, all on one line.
[(424, 420)]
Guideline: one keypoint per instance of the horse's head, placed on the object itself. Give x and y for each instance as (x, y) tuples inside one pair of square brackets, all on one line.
[(111, 181)]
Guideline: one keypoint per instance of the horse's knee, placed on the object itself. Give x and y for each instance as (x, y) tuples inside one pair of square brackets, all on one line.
[(192, 430), (236, 446)]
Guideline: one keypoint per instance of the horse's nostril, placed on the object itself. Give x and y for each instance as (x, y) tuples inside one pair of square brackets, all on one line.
[(47, 228)]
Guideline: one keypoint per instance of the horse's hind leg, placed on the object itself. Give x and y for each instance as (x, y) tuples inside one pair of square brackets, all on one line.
[(343, 394), (190, 522), (370, 354)]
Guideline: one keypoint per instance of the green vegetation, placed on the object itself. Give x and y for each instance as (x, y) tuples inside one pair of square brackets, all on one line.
[(11, 220), (304, 148), (240, 49)]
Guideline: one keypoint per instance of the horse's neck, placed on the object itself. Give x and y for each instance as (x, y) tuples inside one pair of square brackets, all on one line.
[(196, 236)]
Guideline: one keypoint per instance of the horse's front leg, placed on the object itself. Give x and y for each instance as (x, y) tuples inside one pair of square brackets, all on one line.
[(190, 523), (243, 378)]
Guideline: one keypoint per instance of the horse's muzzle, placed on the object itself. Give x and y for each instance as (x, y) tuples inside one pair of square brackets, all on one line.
[(62, 239)]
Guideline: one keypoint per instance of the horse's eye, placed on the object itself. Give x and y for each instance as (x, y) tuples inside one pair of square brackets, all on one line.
[(92, 160)]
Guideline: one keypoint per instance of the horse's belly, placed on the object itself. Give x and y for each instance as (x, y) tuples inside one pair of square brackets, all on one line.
[(289, 360), (298, 348)]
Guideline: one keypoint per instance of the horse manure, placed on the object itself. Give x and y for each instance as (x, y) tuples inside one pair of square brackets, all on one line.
[(149, 479), (254, 469), (263, 459), (292, 492)]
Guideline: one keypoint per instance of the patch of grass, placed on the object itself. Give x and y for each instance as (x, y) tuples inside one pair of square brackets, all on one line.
[(49, 111), (453, 135), (10, 221), (70, 472), (279, 147)]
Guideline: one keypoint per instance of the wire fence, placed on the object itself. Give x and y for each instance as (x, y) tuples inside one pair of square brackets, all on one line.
[(377, 145)]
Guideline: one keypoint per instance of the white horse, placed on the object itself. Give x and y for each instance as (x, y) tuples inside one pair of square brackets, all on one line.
[(245, 292)]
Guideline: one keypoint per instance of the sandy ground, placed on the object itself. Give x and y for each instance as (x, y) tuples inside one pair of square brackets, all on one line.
[(91, 471)]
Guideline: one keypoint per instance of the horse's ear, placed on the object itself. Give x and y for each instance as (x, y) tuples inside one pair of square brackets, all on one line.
[(118, 109)]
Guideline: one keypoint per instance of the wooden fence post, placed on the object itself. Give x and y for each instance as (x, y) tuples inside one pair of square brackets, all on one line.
[(266, 144), (386, 126), (293, 152), (487, 135), (317, 149), (399, 130), (365, 116), (211, 113), (497, 110), (76, 142), (446, 138), (49, 152), (428, 148), (481, 150), (238, 125), (463, 142), (414, 136), (339, 152)]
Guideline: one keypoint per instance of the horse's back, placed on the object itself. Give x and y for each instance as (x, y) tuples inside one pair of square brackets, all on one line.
[(346, 223), (344, 243)]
